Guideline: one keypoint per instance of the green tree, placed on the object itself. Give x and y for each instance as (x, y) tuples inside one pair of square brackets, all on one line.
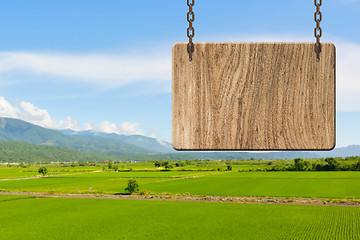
[(356, 166), (229, 167), (332, 164), (132, 187), (164, 163), (168, 166), (157, 164), (22, 165), (301, 165), (43, 171)]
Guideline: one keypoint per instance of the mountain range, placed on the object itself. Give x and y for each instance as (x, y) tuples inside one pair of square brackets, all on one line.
[(150, 144), (21, 131), (135, 147)]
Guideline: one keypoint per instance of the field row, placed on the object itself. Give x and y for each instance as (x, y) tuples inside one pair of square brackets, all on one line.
[(60, 218), (32, 170), (273, 184)]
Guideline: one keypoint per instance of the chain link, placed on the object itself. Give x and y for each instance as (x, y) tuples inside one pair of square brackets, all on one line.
[(190, 30), (318, 30)]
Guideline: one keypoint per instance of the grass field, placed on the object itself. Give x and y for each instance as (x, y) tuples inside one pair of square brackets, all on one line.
[(5, 198), (273, 184), (16, 172), (278, 184), (99, 182), (28, 217), (60, 218)]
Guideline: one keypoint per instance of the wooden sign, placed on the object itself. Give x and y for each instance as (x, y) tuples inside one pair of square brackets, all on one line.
[(253, 96)]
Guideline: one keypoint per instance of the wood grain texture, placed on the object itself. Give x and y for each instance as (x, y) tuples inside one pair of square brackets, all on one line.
[(253, 96)]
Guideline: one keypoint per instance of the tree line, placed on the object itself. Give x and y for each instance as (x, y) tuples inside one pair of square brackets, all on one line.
[(331, 164)]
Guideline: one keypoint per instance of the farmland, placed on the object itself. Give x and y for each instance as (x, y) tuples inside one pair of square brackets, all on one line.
[(99, 182), (59, 218), (279, 184), (176, 212), (226, 183)]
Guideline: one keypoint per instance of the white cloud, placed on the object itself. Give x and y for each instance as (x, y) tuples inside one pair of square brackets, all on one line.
[(113, 71), (30, 113), (7, 110), (127, 128), (348, 76), (100, 69)]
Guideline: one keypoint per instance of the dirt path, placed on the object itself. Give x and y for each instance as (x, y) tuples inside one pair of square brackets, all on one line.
[(195, 198), (15, 179), (49, 175), (78, 173)]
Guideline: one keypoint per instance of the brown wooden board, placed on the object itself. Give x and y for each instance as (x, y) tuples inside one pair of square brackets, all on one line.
[(253, 96)]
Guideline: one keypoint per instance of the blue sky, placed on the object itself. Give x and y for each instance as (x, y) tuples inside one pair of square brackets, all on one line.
[(106, 65)]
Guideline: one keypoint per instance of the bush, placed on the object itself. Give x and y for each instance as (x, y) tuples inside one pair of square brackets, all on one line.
[(168, 166), (22, 165), (145, 192), (43, 171), (132, 187)]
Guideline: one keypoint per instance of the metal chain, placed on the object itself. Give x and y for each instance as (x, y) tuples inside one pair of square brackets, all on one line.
[(318, 30), (190, 30)]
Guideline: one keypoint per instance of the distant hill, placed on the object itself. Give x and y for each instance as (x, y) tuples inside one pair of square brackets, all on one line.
[(137, 147), (26, 152), (151, 144), (165, 147), (21, 131), (352, 150)]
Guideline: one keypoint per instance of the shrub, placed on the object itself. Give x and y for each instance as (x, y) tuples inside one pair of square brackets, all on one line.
[(145, 192), (168, 166), (132, 187), (43, 171)]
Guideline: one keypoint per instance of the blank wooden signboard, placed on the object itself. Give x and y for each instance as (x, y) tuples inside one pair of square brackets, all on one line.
[(253, 96)]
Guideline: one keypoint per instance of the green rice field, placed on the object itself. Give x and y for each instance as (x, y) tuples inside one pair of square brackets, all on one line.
[(277, 184), (273, 184), (29, 217), (99, 182), (16, 172), (62, 218)]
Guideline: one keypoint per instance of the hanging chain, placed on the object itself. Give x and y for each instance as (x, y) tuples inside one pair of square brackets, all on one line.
[(190, 30), (318, 30)]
